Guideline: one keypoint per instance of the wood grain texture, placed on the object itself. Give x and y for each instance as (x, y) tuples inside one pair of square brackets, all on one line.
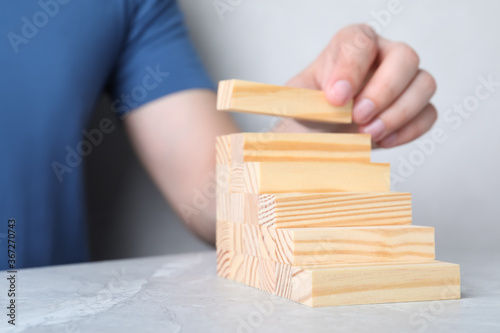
[(223, 186), (223, 150), (288, 210), (305, 210), (283, 177), (222, 206), (252, 97), (223, 176), (299, 147), (307, 218), (252, 271), (345, 284), (320, 246)]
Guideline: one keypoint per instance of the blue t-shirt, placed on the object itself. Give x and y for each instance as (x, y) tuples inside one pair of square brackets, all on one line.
[(56, 58)]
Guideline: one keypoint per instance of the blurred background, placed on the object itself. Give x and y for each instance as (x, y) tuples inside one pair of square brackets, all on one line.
[(452, 172)]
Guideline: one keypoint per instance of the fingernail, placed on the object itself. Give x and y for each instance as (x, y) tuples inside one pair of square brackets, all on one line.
[(375, 129), (363, 110), (341, 92), (389, 141)]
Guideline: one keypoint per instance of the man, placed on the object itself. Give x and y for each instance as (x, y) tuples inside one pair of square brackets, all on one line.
[(58, 56)]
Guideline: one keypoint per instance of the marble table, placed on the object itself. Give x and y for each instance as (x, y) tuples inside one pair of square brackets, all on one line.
[(182, 293)]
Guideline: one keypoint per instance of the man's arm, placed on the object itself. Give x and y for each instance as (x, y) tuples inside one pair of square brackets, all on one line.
[(175, 135)]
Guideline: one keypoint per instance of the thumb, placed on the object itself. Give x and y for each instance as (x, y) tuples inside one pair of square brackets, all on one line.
[(346, 62)]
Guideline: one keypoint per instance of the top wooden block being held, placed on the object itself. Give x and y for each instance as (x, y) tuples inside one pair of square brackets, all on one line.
[(307, 104)]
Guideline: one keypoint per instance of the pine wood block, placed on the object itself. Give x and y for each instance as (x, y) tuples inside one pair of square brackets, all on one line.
[(283, 177), (298, 147), (223, 185), (222, 206), (248, 270), (223, 150), (223, 176), (260, 98), (320, 246), (305, 210), (283, 147), (345, 284)]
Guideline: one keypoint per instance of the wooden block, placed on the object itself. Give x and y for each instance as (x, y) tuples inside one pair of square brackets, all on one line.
[(223, 186), (321, 246), (345, 284), (282, 147), (252, 97), (223, 235), (247, 270), (223, 163), (303, 210), (298, 147), (280, 177), (223, 150), (404, 282), (223, 176), (223, 206)]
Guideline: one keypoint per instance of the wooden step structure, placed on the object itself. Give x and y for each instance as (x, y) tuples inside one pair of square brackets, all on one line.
[(309, 217)]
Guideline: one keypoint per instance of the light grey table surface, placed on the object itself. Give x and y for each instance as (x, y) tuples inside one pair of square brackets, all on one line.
[(182, 293)]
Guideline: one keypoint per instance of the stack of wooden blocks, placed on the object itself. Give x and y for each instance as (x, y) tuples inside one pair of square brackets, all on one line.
[(309, 217)]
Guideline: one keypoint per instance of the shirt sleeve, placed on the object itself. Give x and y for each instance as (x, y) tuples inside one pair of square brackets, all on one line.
[(157, 57)]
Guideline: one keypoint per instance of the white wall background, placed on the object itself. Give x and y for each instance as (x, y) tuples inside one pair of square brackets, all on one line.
[(455, 187)]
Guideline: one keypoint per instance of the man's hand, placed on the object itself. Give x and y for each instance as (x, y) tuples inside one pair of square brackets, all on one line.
[(175, 135), (391, 94)]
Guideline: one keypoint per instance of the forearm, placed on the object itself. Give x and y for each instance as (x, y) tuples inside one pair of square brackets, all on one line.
[(175, 139)]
